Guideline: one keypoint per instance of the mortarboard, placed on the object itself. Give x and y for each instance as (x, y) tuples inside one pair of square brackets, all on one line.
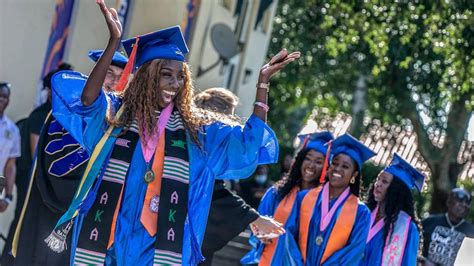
[(119, 59), (316, 141), (352, 147), (163, 44), (404, 171)]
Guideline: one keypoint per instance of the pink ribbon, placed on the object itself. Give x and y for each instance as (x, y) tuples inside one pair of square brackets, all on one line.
[(327, 215), (374, 229), (150, 141)]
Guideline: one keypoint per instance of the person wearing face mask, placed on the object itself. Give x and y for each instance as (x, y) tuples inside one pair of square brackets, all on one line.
[(252, 190), (145, 194), (395, 229), (279, 199), (330, 225), (444, 233)]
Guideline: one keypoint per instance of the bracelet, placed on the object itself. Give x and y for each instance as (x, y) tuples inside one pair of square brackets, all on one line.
[(263, 86), (263, 106), (8, 199)]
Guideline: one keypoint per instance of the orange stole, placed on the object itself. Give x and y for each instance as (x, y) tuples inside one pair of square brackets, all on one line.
[(340, 232), (306, 211), (281, 215)]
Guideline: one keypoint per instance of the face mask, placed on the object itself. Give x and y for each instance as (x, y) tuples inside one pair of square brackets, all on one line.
[(261, 179)]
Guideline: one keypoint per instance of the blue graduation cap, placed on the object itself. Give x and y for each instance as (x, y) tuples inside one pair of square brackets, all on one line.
[(404, 171), (352, 147), (163, 44), (316, 141), (118, 60)]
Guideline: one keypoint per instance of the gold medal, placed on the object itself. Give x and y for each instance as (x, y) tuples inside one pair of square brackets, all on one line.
[(319, 240), (149, 176)]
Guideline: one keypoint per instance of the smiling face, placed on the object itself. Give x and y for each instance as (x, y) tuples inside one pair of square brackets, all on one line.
[(384, 179), (312, 166), (341, 170), (171, 81)]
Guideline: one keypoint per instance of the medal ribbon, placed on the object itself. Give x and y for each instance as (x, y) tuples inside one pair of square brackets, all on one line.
[(156, 144), (374, 229), (325, 214), (150, 141)]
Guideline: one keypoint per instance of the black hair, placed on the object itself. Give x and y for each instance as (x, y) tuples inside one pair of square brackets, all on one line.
[(47, 78), (397, 198), (294, 177), (6, 85)]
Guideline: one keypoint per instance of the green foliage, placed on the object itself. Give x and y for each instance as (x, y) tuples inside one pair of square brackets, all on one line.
[(414, 52), (469, 186)]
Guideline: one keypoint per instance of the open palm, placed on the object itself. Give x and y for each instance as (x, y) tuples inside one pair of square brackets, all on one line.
[(278, 62), (112, 20)]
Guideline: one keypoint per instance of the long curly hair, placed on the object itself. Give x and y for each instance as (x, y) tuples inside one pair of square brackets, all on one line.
[(398, 198), (294, 177), (140, 100)]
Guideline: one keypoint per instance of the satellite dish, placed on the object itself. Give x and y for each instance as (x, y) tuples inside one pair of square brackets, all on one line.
[(224, 41)]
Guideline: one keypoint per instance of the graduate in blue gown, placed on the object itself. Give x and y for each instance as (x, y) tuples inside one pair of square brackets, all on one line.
[(279, 199), (330, 225), (151, 153), (395, 229)]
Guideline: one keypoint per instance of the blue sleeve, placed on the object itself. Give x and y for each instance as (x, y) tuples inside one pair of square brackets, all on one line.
[(267, 207), (269, 202), (85, 123), (235, 151), (287, 245), (411, 248), (351, 254)]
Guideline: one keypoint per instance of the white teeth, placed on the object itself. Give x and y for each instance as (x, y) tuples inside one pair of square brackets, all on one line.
[(337, 175), (171, 93)]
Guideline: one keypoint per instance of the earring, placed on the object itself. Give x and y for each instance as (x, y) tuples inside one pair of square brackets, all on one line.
[(353, 180)]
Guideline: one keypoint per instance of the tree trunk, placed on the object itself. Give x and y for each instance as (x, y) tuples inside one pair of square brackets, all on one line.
[(359, 106)]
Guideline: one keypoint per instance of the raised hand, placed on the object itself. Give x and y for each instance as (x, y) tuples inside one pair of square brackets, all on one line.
[(278, 62), (112, 20)]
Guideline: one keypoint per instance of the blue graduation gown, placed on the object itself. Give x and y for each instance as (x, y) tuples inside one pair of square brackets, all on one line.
[(228, 152), (351, 254), (374, 249), (267, 206)]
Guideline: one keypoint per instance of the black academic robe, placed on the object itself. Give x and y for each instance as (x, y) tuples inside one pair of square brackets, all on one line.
[(60, 162), (229, 215)]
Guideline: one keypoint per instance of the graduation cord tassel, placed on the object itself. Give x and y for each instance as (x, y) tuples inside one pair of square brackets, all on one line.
[(56, 241)]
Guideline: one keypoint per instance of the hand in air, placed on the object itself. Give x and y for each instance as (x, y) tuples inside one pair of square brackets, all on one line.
[(112, 20), (278, 62)]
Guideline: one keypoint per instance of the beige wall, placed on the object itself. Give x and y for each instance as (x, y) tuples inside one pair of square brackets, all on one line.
[(23, 40)]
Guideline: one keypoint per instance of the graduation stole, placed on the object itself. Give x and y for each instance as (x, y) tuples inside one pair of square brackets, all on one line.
[(340, 232), (281, 215), (172, 201), (396, 241)]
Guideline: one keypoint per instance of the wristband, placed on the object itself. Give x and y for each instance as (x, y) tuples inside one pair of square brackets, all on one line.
[(263, 106), (8, 199), (263, 86)]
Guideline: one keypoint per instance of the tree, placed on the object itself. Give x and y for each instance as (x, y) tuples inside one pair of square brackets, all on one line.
[(411, 63)]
